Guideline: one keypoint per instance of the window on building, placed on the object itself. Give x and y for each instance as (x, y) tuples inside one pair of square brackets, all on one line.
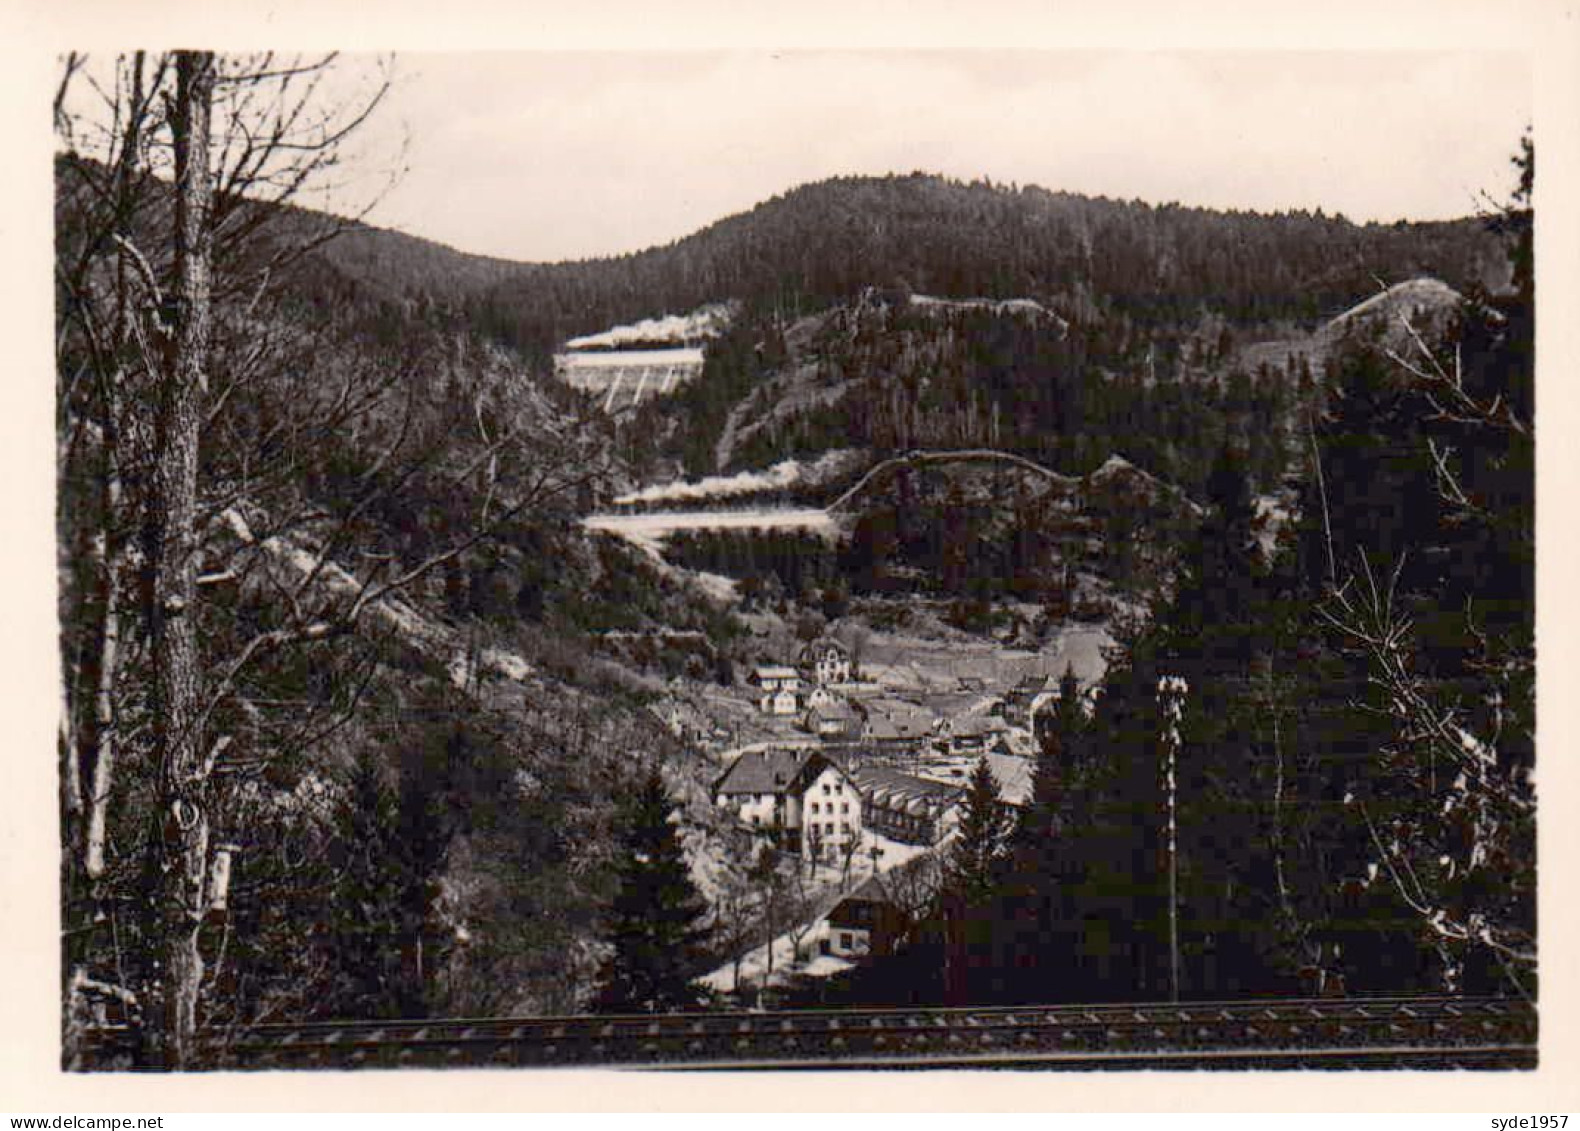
[(814, 806), (844, 807), (845, 941), (756, 819), (844, 827), (829, 828), (825, 789)]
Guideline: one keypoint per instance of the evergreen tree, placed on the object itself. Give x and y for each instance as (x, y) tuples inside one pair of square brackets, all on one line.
[(1030, 948), (1058, 750), (972, 875), (366, 912), (1110, 896), (1418, 552), (973, 872), (424, 824), (652, 923)]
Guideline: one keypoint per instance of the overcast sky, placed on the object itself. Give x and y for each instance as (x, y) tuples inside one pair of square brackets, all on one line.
[(558, 155)]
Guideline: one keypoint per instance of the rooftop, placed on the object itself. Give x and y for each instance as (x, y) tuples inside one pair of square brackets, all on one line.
[(1013, 776), (765, 771), (892, 788), (838, 709)]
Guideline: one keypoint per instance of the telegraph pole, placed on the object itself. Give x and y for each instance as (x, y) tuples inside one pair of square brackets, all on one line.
[(1171, 706)]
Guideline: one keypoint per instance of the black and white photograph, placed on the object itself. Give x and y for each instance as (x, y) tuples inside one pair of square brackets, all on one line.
[(754, 558)]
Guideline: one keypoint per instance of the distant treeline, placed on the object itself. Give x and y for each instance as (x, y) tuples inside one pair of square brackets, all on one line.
[(819, 243)]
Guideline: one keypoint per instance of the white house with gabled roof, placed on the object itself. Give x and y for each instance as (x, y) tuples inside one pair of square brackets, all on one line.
[(778, 689), (830, 813), (828, 659)]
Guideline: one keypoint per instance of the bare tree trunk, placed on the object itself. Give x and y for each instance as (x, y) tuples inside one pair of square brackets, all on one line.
[(98, 738), (103, 729), (177, 737)]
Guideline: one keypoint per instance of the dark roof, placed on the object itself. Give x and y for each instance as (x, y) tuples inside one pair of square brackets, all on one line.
[(835, 710), (863, 907), (1035, 684), (973, 726), (897, 719), (769, 771), (871, 888)]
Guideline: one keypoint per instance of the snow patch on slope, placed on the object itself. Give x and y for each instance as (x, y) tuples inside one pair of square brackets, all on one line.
[(704, 322), (1000, 307), (1405, 299), (786, 473)]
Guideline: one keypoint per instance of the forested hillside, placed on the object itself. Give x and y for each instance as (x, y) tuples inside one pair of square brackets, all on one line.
[(1309, 773), (336, 736), (357, 715), (1155, 265)]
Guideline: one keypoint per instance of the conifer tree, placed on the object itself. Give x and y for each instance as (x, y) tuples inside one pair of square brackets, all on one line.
[(972, 876), (1418, 555), (973, 872), (367, 910), (652, 924)]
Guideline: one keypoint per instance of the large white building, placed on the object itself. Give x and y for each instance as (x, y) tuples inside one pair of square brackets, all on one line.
[(799, 796), (829, 661), (830, 814), (763, 789)]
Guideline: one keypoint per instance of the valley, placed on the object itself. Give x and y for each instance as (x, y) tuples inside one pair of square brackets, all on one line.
[(798, 614)]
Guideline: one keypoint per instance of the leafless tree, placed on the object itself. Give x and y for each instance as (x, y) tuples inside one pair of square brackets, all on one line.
[(847, 855), (914, 885), (736, 921), (801, 914), (815, 848), (1482, 824), (184, 406), (771, 889)]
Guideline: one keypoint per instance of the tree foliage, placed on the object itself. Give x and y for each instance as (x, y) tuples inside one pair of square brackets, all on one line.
[(652, 924)]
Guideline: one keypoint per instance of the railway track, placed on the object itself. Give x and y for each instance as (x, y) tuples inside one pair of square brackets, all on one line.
[(1413, 1032)]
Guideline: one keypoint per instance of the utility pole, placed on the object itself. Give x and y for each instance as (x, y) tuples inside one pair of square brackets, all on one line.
[(1171, 706)]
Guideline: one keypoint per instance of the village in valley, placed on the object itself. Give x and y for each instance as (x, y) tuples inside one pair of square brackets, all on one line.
[(907, 606), (838, 745), (859, 792)]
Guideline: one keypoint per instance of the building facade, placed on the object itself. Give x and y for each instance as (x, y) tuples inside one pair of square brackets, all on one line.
[(762, 788), (778, 689), (905, 808), (865, 924), (829, 661), (830, 814)]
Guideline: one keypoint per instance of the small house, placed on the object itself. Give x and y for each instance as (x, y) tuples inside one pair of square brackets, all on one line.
[(893, 722), (775, 677), (1018, 700), (865, 924), (833, 720), (970, 734), (778, 689)]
